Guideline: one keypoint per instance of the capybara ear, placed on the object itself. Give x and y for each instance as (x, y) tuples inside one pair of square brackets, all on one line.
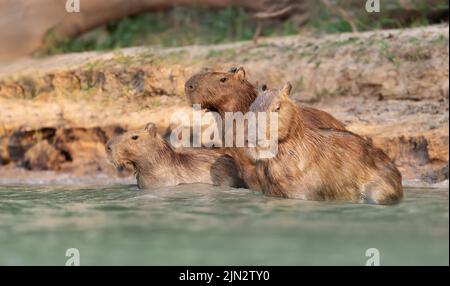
[(151, 129), (240, 73), (285, 91), (233, 70), (282, 95)]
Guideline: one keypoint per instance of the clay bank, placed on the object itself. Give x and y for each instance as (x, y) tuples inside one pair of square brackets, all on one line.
[(391, 87)]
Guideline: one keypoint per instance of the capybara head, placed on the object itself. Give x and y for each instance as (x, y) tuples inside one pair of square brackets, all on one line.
[(275, 112), (279, 102), (221, 91), (134, 146), (264, 99)]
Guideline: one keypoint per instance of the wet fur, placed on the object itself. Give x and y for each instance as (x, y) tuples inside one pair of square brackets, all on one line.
[(312, 116), (325, 164), (237, 94), (156, 163)]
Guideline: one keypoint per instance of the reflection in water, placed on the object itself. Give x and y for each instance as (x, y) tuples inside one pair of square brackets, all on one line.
[(201, 224)]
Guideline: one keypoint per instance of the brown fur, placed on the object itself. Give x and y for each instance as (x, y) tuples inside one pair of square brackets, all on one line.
[(324, 164), (221, 91), (236, 93), (232, 92), (313, 117), (157, 163)]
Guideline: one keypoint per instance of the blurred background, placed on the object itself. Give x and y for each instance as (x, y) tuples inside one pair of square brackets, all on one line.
[(44, 27)]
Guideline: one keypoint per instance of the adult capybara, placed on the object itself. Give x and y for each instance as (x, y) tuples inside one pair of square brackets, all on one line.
[(313, 117), (232, 92), (323, 164), (157, 163)]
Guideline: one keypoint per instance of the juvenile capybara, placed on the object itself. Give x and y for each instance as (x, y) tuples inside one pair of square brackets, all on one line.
[(157, 163), (323, 164), (232, 92)]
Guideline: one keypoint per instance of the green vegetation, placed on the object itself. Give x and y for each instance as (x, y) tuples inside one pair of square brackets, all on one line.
[(393, 15), (179, 27), (187, 26), (386, 50)]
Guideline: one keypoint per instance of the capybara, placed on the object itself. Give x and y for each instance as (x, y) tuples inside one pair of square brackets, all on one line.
[(313, 117), (156, 163), (232, 92), (323, 164)]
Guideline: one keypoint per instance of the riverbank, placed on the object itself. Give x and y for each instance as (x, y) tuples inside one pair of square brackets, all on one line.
[(391, 86)]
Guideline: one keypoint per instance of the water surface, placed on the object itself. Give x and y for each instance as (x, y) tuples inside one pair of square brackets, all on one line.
[(205, 225)]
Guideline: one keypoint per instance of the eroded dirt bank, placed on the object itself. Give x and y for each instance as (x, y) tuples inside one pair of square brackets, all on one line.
[(390, 86)]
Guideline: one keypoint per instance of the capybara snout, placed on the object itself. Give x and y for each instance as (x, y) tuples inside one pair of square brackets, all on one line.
[(191, 84)]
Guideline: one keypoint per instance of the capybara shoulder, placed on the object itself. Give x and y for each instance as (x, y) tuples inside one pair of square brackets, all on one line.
[(157, 163)]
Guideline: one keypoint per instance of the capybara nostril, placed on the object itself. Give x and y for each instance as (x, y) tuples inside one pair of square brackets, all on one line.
[(108, 146), (191, 84)]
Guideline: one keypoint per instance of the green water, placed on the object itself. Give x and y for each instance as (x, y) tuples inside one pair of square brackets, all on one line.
[(205, 225)]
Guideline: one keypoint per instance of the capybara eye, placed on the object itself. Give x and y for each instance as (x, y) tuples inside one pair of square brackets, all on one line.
[(224, 79), (277, 108), (135, 137)]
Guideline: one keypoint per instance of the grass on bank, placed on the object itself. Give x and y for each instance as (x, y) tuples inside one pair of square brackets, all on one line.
[(183, 26)]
